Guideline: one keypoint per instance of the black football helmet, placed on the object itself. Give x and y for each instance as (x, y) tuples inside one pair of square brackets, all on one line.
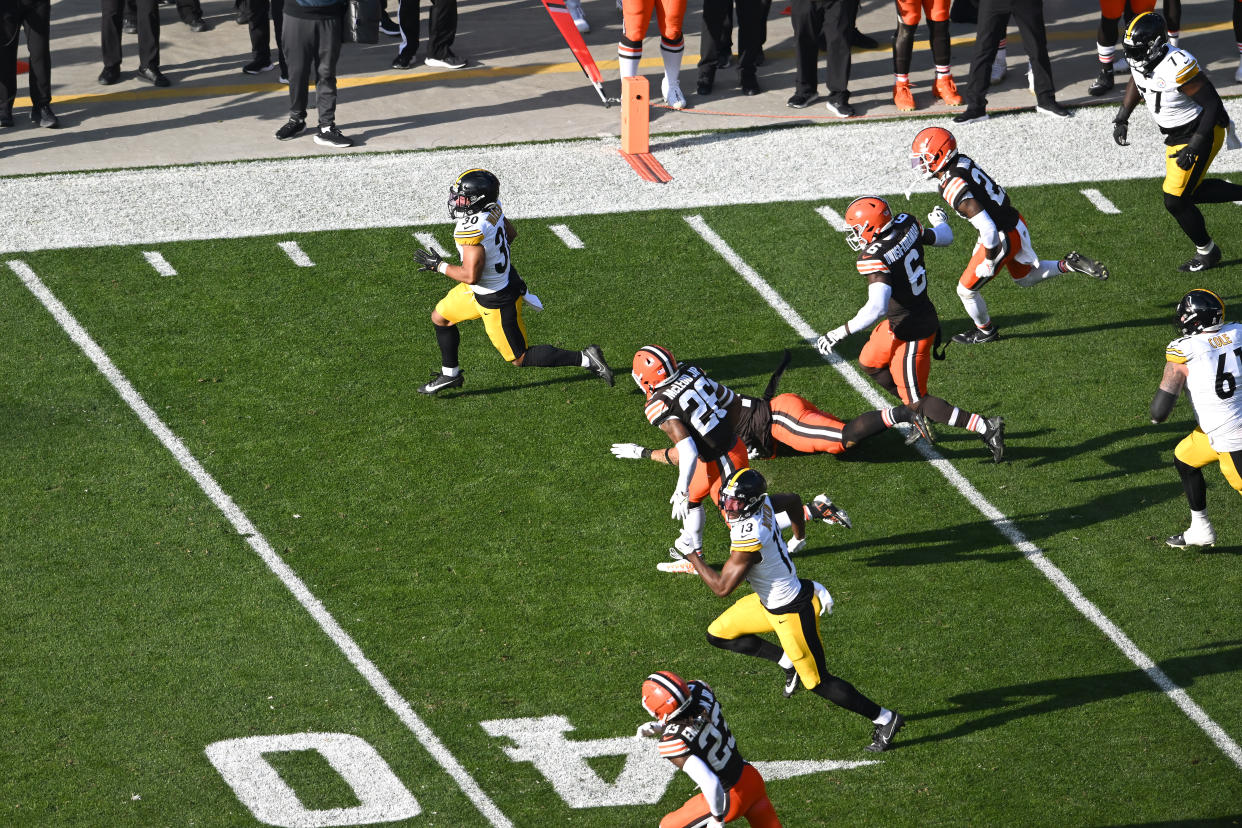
[(1146, 41), (473, 192), (1199, 310), (743, 494)]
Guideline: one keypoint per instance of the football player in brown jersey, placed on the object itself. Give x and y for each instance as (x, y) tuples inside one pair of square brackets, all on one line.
[(1004, 240), (898, 353), (695, 737)]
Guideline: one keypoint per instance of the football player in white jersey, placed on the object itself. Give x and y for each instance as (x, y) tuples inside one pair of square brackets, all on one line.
[(1194, 122), (489, 288), (782, 603), (1207, 361)]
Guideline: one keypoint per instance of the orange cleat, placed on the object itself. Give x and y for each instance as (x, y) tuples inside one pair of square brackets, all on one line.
[(904, 98), (946, 90)]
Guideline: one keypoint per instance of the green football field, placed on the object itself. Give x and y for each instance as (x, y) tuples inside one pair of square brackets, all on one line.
[(455, 599)]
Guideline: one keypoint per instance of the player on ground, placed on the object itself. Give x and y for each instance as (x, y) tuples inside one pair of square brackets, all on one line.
[(695, 737), (909, 12), (489, 288), (1194, 122), (1206, 360), (670, 15), (700, 415), (1003, 236), (781, 603), (898, 353)]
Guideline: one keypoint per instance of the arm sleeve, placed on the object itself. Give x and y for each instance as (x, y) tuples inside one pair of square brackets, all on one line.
[(1162, 405), (709, 783), (687, 455), (878, 295), (1207, 97), (940, 235), (989, 236)]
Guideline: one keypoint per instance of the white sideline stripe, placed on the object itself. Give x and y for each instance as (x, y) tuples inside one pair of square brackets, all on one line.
[(1100, 201), (566, 235), (247, 530), (833, 217), (156, 259), (428, 240), (294, 251), (1002, 523)]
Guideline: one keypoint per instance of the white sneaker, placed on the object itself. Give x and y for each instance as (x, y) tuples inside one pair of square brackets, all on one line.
[(1193, 537), (575, 12), (998, 69), (672, 94), (1120, 64)]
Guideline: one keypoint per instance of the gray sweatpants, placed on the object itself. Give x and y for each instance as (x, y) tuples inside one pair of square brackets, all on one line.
[(308, 42)]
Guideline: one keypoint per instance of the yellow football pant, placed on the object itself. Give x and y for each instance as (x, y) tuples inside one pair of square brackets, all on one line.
[(1197, 452), (504, 326), (1183, 182), (798, 633)]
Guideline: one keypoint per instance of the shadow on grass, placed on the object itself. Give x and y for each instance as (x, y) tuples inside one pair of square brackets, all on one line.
[(1002, 705)]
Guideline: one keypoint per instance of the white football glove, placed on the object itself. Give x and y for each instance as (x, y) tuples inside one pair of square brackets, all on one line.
[(985, 269), (795, 545), (648, 730), (825, 597), (681, 505), (627, 451), (827, 342), (753, 453), (938, 217)]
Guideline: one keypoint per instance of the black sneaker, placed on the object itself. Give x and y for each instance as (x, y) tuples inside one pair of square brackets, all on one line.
[(704, 86), (439, 382), (43, 116), (1079, 263), (994, 437), (129, 26), (840, 108), (858, 40), (109, 75), (598, 366), (6, 119), (882, 736), (388, 26), (801, 100), (256, 67), (330, 136), (1104, 83), (291, 129), (919, 428), (976, 336), (402, 61), (791, 681), (1202, 261), (971, 116), (1051, 107), (198, 24), (152, 76)]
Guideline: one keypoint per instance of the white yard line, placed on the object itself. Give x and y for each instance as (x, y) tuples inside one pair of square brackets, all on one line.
[(428, 240), (259, 544), (566, 235), (295, 253), (1002, 523), (832, 217), (156, 260), (1100, 201)]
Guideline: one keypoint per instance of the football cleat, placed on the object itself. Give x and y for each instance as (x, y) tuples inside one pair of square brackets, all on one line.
[(946, 90), (903, 97), (791, 681), (977, 336), (672, 93), (822, 508), (439, 382), (598, 366), (682, 567), (994, 437), (1202, 261), (1103, 83), (882, 736), (1079, 263), (919, 428), (1193, 537)]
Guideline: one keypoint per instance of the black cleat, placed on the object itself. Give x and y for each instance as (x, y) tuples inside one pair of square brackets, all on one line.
[(1079, 263), (977, 336), (439, 382), (919, 428), (882, 736), (1104, 83), (598, 366), (791, 681), (994, 437), (1202, 261)]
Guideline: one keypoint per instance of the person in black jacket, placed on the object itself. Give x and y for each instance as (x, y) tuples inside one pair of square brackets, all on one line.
[(35, 16), (312, 36)]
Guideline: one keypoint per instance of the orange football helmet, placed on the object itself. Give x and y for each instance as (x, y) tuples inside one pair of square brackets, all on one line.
[(932, 150), (867, 218), (654, 365), (665, 695)]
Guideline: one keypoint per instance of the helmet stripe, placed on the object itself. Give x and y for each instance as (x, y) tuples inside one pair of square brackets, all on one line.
[(663, 356)]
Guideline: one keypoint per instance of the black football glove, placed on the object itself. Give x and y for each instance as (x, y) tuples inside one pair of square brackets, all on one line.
[(427, 259), (1187, 156), (1121, 133)]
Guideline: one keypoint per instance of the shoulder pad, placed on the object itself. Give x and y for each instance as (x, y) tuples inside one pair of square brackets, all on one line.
[(1178, 67), (1178, 350)]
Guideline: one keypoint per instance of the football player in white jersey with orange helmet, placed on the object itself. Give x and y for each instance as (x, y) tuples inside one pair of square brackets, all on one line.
[(781, 603), (1189, 112), (1207, 361)]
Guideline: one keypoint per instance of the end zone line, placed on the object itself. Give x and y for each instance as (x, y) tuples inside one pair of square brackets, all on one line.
[(247, 530), (1003, 524)]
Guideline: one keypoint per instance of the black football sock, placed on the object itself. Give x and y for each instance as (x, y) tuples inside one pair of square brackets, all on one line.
[(865, 425), (549, 356), (843, 694), (448, 338)]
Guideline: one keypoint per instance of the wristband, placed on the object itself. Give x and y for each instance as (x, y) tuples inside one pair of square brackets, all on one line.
[(442, 268)]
